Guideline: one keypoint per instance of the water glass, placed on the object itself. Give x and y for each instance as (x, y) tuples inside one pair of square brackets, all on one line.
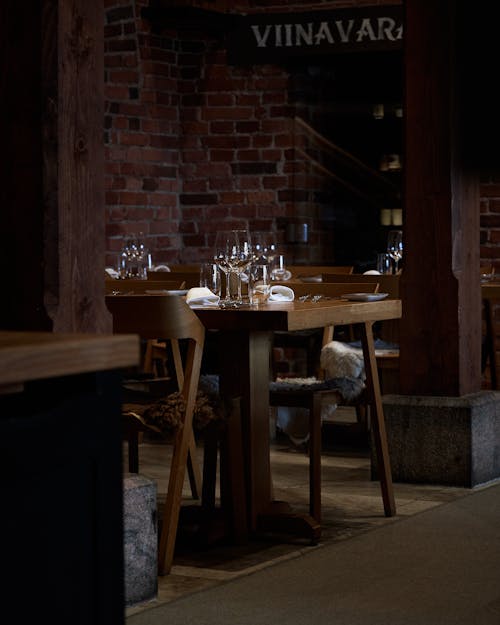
[(384, 263), (259, 284), (210, 277), (279, 271)]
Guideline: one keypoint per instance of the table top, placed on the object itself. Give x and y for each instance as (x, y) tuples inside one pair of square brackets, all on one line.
[(28, 356), (298, 315)]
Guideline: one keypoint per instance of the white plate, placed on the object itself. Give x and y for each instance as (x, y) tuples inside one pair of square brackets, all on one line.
[(364, 297), (311, 278), (166, 292)]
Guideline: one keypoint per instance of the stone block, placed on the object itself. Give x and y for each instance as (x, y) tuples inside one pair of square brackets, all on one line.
[(140, 538), (452, 441)]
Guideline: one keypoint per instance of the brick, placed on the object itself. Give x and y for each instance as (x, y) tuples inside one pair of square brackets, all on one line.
[(490, 190), (221, 155), (198, 198), (120, 45), (225, 141), (253, 168), (119, 14), (195, 186), (226, 113)]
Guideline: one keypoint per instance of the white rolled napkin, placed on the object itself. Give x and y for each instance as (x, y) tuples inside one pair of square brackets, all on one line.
[(281, 293), (371, 272), (112, 273), (201, 296)]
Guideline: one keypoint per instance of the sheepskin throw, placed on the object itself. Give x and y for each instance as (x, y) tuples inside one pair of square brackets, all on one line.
[(349, 388), (339, 359)]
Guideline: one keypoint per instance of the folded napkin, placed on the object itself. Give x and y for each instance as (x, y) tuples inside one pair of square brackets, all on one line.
[(371, 272), (112, 273), (280, 293), (201, 296)]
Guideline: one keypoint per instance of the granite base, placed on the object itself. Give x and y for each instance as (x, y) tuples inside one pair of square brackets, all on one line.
[(141, 539), (452, 441)]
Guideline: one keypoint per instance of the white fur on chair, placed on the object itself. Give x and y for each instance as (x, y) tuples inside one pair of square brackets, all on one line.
[(341, 360)]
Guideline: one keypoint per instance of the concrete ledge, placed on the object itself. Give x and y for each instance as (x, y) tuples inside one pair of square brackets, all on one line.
[(140, 538), (453, 441)]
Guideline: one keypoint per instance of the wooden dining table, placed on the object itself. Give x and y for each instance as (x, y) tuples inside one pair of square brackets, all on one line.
[(245, 340)]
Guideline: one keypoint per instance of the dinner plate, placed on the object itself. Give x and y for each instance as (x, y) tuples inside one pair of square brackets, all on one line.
[(364, 297), (311, 278), (166, 291)]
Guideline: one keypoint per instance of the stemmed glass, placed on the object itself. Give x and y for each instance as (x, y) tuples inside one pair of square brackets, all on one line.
[(241, 256), (395, 247), (221, 258), (233, 255), (265, 247)]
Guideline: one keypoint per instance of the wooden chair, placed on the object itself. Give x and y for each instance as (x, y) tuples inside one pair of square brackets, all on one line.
[(387, 363), (169, 318), (312, 396), (311, 340), (133, 286), (308, 271), (155, 350), (189, 278)]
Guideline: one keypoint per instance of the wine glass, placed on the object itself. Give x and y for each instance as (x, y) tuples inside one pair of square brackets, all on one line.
[(395, 247), (241, 256), (265, 247), (221, 258)]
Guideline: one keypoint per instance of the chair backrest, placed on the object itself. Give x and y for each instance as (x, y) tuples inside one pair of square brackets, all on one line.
[(328, 290), (299, 271), (388, 283), (165, 317), (190, 278), (133, 286)]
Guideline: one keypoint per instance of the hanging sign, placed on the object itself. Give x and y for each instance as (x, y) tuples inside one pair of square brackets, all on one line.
[(268, 38)]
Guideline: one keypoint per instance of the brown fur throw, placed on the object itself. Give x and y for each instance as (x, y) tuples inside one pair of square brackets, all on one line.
[(167, 415)]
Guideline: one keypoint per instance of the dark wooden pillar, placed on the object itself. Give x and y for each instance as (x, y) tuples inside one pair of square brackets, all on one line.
[(441, 325), (53, 182)]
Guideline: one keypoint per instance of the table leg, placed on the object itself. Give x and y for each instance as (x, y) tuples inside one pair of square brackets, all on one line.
[(377, 421), (244, 362), (245, 372)]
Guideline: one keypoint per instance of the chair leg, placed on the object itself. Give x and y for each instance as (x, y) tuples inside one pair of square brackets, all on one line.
[(194, 471), (170, 520), (315, 457)]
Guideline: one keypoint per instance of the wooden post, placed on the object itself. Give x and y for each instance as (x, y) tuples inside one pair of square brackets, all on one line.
[(440, 288), (53, 187)]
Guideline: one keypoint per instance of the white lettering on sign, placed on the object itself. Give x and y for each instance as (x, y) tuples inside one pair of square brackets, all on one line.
[(317, 33)]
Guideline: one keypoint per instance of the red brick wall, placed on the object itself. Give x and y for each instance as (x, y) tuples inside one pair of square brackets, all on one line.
[(193, 144)]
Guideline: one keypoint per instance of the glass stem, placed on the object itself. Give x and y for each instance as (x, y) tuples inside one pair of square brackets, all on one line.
[(228, 290), (238, 276)]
